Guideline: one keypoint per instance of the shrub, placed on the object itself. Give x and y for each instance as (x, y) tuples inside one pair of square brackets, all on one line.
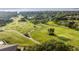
[(51, 31), (53, 45), (22, 20)]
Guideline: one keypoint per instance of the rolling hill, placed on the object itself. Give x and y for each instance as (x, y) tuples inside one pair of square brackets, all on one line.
[(14, 33)]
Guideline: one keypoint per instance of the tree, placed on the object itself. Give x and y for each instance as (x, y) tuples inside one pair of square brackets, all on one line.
[(22, 20), (51, 31), (25, 17), (72, 25), (53, 45)]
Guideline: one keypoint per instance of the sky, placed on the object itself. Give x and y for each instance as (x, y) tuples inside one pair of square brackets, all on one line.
[(39, 9)]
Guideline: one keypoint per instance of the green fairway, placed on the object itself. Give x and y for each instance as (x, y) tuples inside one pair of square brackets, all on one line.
[(14, 38), (22, 27), (60, 31), (14, 33)]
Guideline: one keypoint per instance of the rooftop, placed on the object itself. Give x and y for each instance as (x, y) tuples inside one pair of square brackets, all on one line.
[(6, 46)]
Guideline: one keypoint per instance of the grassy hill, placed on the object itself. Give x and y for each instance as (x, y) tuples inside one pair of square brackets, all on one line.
[(12, 37), (14, 31), (22, 27), (64, 34)]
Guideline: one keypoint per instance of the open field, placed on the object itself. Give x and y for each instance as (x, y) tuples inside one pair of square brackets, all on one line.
[(40, 32)]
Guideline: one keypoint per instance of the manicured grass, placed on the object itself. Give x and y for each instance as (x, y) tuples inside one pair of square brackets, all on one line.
[(60, 31), (22, 27), (14, 38), (40, 33)]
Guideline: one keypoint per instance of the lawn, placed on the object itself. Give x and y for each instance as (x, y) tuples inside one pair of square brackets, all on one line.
[(38, 32), (12, 37), (71, 36)]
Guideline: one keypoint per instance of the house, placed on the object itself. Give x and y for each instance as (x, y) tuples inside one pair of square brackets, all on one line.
[(7, 47)]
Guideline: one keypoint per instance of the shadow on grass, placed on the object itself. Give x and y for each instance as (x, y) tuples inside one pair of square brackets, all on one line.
[(63, 38)]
